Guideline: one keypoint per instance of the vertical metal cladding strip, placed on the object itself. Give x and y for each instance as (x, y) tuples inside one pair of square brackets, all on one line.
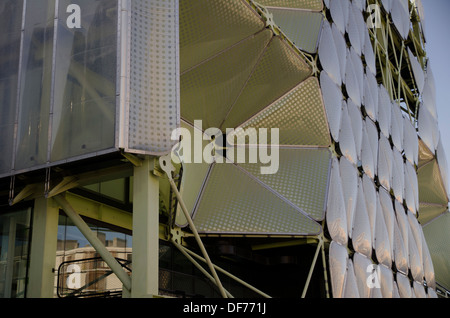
[(52, 87), (19, 79), (154, 105), (123, 62)]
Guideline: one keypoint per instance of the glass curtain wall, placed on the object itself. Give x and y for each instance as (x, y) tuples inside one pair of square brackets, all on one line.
[(58, 74), (15, 233)]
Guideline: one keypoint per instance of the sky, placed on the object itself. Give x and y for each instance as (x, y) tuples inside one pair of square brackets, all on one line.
[(437, 32)]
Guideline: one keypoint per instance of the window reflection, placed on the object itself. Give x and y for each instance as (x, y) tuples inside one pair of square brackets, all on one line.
[(85, 86), (10, 26)]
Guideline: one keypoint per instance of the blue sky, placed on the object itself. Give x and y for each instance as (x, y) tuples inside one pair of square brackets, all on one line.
[(438, 50)]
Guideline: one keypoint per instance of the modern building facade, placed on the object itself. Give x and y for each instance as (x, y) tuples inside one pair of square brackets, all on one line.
[(218, 148)]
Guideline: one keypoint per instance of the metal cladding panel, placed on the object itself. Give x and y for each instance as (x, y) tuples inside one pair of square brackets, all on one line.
[(301, 27), (354, 77), (371, 95), (328, 54), (66, 74), (428, 129), (401, 249), (385, 163), (349, 178), (154, 99), (336, 208), (338, 259), (388, 213), (384, 111), (339, 13), (404, 286), (362, 265), (437, 237), (382, 244), (302, 178), (234, 202), (310, 5), (361, 233), (386, 281), (356, 28), (417, 70), (351, 286), (410, 142), (371, 198), (419, 290), (411, 188), (347, 138), (299, 116), (199, 39), (356, 119), (333, 101), (400, 16)]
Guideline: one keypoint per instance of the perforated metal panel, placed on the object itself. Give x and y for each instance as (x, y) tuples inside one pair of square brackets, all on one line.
[(299, 117), (154, 100), (234, 202)]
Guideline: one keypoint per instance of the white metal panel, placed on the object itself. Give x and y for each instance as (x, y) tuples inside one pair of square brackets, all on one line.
[(397, 127), (370, 195), (341, 49), (338, 258), (361, 234), (398, 179), (400, 16), (428, 129), (387, 210), (382, 244), (385, 159), (349, 179), (328, 54), (351, 286), (404, 286), (410, 141), (354, 77), (411, 188), (415, 259), (417, 70), (339, 13), (336, 215), (362, 266), (371, 96), (386, 281), (369, 56), (356, 120), (333, 101), (428, 267), (384, 111), (401, 250), (419, 290), (347, 138)]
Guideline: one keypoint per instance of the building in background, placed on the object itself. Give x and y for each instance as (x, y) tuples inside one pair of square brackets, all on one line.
[(103, 193)]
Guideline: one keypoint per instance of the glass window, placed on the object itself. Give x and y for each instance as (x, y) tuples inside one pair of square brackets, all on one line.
[(36, 79), (74, 253), (85, 78), (14, 252), (10, 26)]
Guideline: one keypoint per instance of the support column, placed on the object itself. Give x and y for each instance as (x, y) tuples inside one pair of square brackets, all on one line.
[(145, 231), (43, 249)]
